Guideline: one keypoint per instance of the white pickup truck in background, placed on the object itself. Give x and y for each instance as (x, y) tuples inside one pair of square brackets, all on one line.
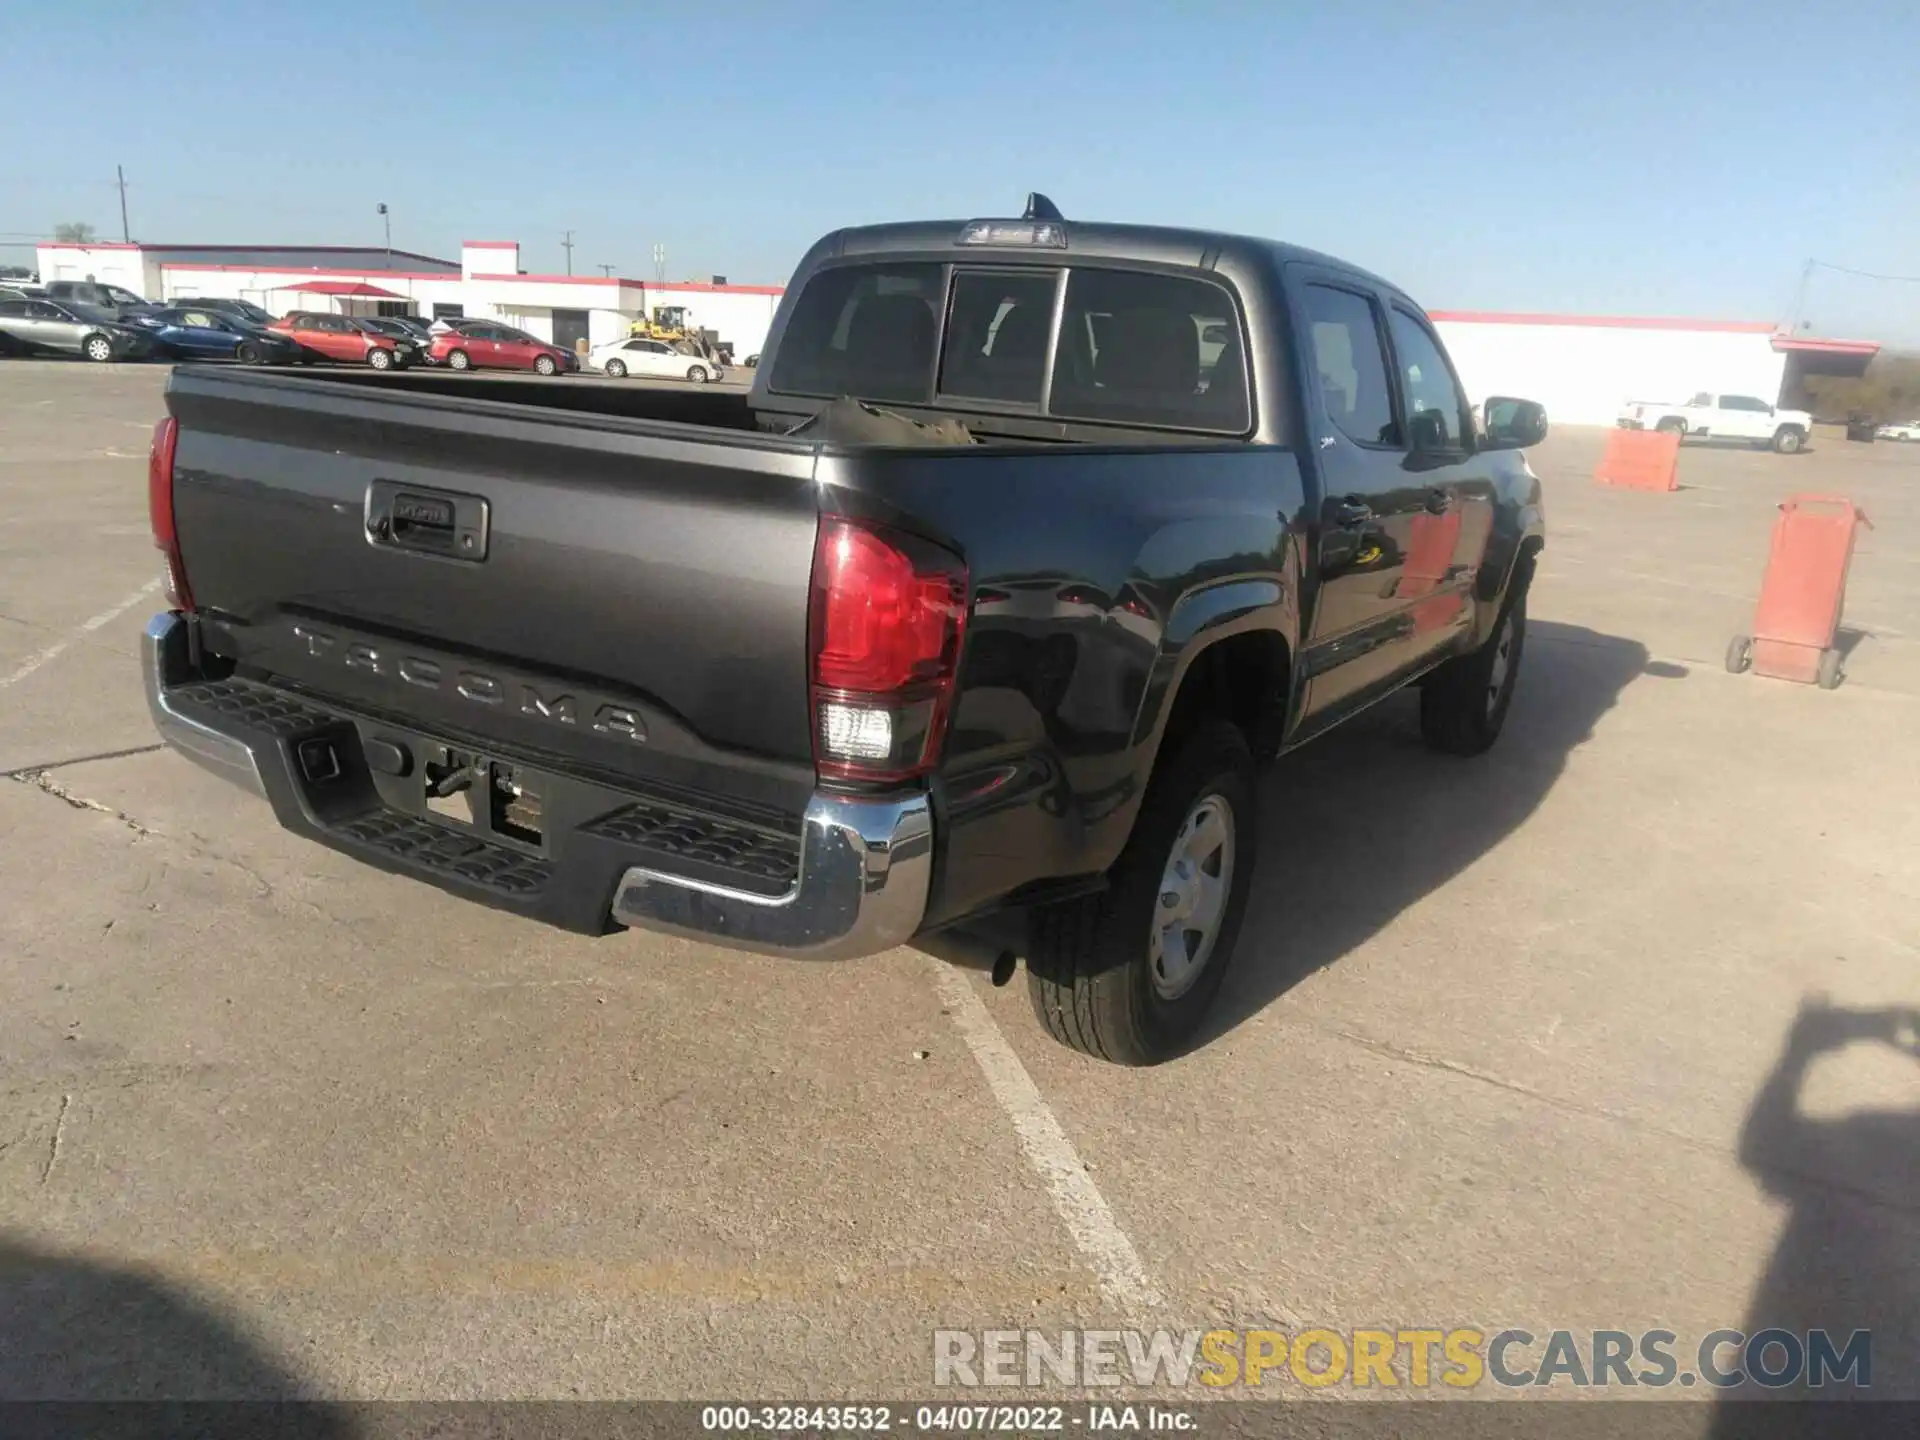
[(1721, 417)]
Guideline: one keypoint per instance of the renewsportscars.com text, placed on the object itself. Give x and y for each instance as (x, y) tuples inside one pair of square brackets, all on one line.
[(1462, 1358)]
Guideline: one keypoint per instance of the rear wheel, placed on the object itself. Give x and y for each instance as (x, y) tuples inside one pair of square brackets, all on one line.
[(97, 348), (1789, 440), (459, 360), (1464, 703), (1828, 675), (380, 358), (1129, 974), (617, 369), (544, 364), (697, 374), (1739, 654)]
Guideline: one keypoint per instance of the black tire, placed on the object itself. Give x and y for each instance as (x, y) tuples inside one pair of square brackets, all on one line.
[(380, 358), (1740, 654), (1789, 440), (459, 360), (544, 365), (617, 369), (1672, 425), (1829, 675), (1464, 703), (97, 348), (1090, 973), (697, 374), (247, 353)]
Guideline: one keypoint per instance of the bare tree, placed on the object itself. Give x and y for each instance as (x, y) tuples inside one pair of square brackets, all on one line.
[(74, 232)]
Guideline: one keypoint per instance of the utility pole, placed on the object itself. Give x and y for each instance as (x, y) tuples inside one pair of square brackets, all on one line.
[(660, 264), (387, 220), (607, 270), (567, 245), (1800, 298), (120, 173)]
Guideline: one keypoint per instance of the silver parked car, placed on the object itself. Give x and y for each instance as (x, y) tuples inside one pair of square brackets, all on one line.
[(71, 328)]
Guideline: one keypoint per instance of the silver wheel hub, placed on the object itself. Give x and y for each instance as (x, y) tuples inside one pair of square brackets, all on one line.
[(1502, 663), (1192, 903)]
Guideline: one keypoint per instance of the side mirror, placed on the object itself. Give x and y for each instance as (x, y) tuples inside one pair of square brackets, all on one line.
[(1512, 424)]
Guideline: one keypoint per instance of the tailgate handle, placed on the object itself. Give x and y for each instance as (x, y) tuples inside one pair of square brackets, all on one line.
[(426, 521)]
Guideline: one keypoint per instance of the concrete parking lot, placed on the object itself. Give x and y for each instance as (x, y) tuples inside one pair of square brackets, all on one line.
[(1507, 1042)]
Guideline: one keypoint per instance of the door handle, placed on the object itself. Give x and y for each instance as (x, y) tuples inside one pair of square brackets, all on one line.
[(1439, 501), (1352, 513)]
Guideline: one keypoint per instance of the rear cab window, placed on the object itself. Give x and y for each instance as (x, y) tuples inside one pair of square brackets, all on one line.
[(1350, 365), (1127, 347)]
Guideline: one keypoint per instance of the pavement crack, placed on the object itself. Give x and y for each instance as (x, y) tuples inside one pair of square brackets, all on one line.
[(59, 1132), (1601, 1112), (41, 767), (43, 780)]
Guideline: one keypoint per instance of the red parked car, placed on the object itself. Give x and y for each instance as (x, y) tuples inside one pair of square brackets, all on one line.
[(489, 345), (342, 337)]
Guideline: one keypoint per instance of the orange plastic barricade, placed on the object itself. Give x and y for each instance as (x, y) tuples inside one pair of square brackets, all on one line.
[(1640, 460), (1802, 593)]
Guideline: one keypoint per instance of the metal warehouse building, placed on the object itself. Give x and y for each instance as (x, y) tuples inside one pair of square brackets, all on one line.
[(1581, 367), (485, 283)]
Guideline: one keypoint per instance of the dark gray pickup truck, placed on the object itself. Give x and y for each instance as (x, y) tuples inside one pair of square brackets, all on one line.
[(985, 661)]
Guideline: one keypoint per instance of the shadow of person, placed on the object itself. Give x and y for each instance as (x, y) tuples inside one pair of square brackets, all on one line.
[(1365, 821), (109, 1352), (1848, 1258)]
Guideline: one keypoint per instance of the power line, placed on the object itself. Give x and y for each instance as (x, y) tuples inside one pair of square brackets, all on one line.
[(1865, 274)]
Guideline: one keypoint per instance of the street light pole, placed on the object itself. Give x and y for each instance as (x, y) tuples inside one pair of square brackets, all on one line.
[(567, 245), (387, 220)]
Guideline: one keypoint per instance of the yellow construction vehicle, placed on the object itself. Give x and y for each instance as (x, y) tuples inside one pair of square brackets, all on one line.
[(669, 323)]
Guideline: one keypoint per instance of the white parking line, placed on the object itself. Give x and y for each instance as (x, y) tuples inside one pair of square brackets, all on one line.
[(87, 627), (1089, 1218)]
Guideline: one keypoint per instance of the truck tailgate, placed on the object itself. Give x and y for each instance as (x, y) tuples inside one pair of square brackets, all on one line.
[(625, 595)]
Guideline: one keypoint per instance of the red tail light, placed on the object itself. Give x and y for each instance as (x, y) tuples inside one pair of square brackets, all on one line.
[(166, 436), (887, 618)]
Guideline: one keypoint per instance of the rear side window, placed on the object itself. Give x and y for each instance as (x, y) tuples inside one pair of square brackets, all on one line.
[(1350, 367), (996, 346), (860, 330), (1140, 349)]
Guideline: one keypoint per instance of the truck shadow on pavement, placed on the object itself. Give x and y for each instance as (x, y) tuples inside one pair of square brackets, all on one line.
[(75, 1330), (1848, 1257), (1366, 821)]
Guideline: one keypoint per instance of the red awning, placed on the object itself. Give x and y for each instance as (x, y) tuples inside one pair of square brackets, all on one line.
[(344, 287)]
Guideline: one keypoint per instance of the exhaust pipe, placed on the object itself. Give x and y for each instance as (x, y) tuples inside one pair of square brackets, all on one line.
[(971, 952)]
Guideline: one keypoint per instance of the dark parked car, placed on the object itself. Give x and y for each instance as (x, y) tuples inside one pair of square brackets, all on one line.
[(192, 333), (403, 327), (57, 327), (121, 304), (967, 627), (227, 305)]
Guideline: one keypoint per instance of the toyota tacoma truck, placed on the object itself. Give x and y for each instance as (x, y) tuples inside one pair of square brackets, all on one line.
[(967, 627), (1721, 417)]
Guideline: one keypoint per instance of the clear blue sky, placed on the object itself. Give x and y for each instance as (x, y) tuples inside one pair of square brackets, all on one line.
[(1617, 158)]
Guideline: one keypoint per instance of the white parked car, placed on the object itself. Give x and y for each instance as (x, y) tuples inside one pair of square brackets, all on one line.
[(652, 358), (1721, 417), (1910, 430)]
